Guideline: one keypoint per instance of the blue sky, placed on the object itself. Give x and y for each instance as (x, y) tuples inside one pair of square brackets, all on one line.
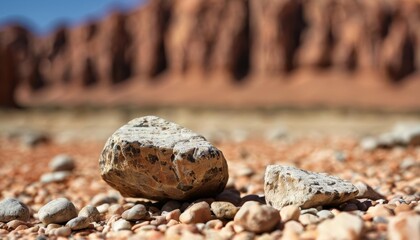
[(43, 15)]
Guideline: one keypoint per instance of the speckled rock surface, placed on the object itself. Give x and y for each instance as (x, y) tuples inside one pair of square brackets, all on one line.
[(152, 158), (12, 209), (285, 185)]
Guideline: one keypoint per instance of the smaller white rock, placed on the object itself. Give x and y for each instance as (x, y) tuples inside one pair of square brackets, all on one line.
[(13, 209), (55, 176), (343, 226), (137, 212), (59, 210), (90, 212), (62, 162), (120, 225), (78, 223)]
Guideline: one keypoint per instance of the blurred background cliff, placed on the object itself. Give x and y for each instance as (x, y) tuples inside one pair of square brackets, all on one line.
[(253, 53)]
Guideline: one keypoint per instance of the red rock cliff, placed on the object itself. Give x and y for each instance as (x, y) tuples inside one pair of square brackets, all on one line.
[(130, 55)]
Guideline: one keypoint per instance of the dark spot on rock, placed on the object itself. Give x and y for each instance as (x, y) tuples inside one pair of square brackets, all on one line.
[(156, 179), (191, 158), (172, 157), (183, 187), (163, 163), (209, 174), (152, 158)]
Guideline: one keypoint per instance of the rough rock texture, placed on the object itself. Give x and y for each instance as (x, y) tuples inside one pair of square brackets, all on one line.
[(13, 209), (257, 218), (285, 185), (236, 39), (150, 157)]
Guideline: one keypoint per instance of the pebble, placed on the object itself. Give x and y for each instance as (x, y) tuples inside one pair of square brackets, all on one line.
[(379, 210), (171, 205), (257, 218), (137, 212), (62, 162), (224, 210), (15, 223), (59, 210), (13, 209), (286, 185), (78, 223), (173, 215), (214, 224), (289, 213), (404, 227), (293, 226), (342, 226), (307, 219), (176, 163), (103, 198), (324, 214), (197, 213), (369, 144), (115, 209), (61, 232), (120, 225), (55, 176), (91, 213)]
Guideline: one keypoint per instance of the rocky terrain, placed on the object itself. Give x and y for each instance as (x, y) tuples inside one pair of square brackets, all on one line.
[(253, 52), (52, 187)]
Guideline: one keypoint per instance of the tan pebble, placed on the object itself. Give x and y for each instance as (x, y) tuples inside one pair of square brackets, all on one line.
[(197, 213), (140, 224), (158, 220), (310, 234), (214, 224), (289, 235), (257, 218), (238, 228), (103, 208), (244, 236), (174, 215), (404, 227), (127, 206), (293, 226), (115, 209), (342, 226), (224, 210), (402, 208), (288, 213), (15, 223), (120, 225), (307, 219), (172, 222), (147, 228), (379, 210), (162, 227), (137, 212), (90, 212), (62, 231)]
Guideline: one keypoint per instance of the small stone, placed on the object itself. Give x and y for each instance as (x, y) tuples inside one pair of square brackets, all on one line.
[(62, 162), (173, 215), (289, 213), (214, 224), (152, 158), (78, 223), (257, 218), (137, 212), (13, 209), (366, 191), (379, 219), (404, 227), (293, 226), (324, 214), (224, 210), (62, 232), (115, 209), (369, 144), (342, 226), (55, 177), (171, 205), (59, 210), (197, 213), (102, 198), (285, 185), (15, 223), (307, 219), (120, 225), (91, 213), (380, 210)]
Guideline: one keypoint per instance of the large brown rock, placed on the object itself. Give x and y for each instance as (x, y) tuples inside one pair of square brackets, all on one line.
[(152, 158)]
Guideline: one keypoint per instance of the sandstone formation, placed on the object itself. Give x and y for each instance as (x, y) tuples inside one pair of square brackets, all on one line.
[(221, 39), (285, 185), (152, 158)]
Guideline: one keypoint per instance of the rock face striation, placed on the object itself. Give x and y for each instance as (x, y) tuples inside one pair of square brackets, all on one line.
[(152, 158), (285, 185)]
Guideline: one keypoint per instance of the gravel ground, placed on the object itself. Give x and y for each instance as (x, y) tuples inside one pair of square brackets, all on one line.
[(240, 212)]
